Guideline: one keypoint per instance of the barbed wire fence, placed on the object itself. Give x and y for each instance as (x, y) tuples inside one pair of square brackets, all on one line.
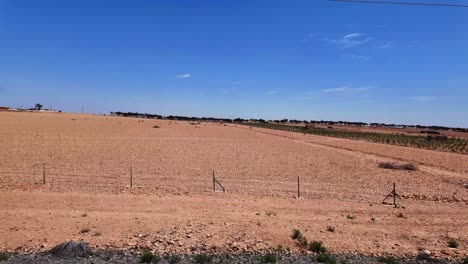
[(121, 179)]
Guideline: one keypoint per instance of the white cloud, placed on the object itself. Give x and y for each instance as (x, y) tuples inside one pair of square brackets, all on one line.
[(347, 89), (270, 92), (385, 45), (350, 40), (359, 57), (186, 75), (424, 98)]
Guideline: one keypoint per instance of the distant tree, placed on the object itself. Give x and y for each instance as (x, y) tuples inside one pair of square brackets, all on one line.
[(38, 107)]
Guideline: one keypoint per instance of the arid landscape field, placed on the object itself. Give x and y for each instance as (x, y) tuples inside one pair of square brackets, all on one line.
[(166, 202)]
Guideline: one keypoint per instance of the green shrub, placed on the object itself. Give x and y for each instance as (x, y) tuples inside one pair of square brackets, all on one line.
[(268, 258), (296, 233), (452, 243), (387, 260), (325, 258), (317, 247), (4, 256), (203, 258), (149, 257)]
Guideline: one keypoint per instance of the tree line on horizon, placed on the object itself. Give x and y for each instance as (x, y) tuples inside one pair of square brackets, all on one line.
[(283, 121)]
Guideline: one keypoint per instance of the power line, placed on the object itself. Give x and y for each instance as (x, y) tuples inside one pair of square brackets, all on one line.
[(398, 3)]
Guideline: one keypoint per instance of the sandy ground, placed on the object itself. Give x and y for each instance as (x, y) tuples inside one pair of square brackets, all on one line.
[(171, 206)]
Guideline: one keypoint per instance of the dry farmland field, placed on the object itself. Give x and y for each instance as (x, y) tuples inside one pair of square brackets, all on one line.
[(170, 207)]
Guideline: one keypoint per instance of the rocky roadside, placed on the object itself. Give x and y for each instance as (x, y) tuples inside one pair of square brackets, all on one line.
[(102, 257)]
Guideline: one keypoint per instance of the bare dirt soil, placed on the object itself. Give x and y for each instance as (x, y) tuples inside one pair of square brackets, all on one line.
[(172, 208)]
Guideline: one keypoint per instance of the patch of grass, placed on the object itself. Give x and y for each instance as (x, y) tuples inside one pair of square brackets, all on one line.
[(268, 258), (296, 233), (325, 258), (396, 166), (203, 258), (156, 126), (4, 256), (452, 243), (149, 257), (317, 247), (351, 217), (330, 228), (387, 260)]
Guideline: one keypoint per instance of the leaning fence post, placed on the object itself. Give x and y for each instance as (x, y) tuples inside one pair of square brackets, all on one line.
[(214, 184), (298, 187), (43, 173), (131, 177)]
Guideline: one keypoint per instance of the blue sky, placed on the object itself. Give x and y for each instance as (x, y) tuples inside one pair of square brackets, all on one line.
[(310, 59)]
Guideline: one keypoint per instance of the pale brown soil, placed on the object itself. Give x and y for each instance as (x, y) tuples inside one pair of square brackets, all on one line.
[(171, 204)]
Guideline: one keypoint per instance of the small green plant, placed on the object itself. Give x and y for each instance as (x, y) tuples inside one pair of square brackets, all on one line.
[(452, 243), (317, 247), (296, 233), (4, 256), (387, 260), (268, 258), (156, 126), (149, 257), (174, 259), (325, 258), (203, 258)]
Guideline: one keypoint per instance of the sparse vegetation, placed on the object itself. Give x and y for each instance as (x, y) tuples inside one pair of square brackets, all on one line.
[(397, 166), (268, 258), (174, 259), (465, 260), (296, 233), (203, 258), (149, 257), (452, 243), (4, 256), (325, 258), (387, 260), (317, 247), (458, 145)]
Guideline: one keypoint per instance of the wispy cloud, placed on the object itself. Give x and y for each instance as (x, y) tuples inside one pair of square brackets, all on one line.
[(235, 83), (272, 92), (359, 57), (349, 40), (185, 75), (424, 98), (347, 89), (386, 45)]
